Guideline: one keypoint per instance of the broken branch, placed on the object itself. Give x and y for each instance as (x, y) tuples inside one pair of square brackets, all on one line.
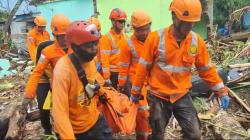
[(233, 94)]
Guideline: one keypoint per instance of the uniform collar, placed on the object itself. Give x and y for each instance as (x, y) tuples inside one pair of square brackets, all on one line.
[(39, 32), (59, 47), (171, 35), (115, 34), (136, 40)]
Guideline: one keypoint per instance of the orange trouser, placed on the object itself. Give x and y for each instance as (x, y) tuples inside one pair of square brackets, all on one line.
[(142, 124)]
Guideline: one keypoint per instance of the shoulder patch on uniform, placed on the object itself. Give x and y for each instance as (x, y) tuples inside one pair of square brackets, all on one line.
[(193, 49), (31, 39), (41, 59)]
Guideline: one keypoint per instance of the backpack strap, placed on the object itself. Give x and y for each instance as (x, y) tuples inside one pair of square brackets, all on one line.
[(41, 46), (80, 72)]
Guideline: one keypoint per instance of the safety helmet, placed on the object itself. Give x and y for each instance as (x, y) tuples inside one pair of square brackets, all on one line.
[(81, 32), (40, 21), (95, 21), (118, 14), (140, 18), (59, 24), (187, 10)]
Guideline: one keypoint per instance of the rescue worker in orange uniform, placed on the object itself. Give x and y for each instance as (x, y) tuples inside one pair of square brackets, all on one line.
[(49, 57), (37, 35), (131, 50), (74, 109), (167, 60), (109, 45), (97, 23)]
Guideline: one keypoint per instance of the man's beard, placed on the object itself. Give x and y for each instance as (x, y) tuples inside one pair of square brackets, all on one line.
[(85, 56)]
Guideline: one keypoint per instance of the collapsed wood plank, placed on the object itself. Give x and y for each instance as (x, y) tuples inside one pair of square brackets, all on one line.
[(239, 100)]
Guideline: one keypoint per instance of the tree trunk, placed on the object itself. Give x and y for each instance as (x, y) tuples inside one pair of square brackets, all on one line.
[(10, 18)]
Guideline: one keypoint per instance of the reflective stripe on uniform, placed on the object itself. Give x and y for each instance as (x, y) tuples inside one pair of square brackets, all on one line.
[(136, 88), (105, 69), (123, 64), (122, 77), (105, 52), (205, 68), (162, 54), (218, 86), (114, 66), (144, 107), (144, 62), (114, 49), (135, 56), (172, 68)]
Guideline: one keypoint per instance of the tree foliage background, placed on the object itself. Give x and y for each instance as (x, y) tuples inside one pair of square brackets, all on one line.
[(223, 8)]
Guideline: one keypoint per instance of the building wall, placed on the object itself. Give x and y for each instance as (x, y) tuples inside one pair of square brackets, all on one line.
[(18, 27), (74, 9), (19, 34), (157, 9)]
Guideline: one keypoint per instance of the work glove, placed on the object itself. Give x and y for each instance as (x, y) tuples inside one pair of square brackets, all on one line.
[(26, 102), (107, 83), (91, 89), (99, 66), (135, 98), (224, 102)]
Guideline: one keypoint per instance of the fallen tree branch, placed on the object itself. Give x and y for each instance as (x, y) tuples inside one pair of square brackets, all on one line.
[(240, 65), (233, 94)]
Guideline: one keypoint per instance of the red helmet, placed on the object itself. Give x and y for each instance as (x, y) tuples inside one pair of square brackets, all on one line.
[(81, 32), (118, 14)]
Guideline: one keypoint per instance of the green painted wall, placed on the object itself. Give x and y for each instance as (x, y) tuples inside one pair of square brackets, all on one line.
[(83, 9), (157, 9)]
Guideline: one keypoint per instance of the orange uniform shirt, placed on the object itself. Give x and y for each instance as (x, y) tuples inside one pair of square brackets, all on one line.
[(131, 50), (49, 57), (169, 67), (129, 59), (34, 38), (110, 52), (69, 117)]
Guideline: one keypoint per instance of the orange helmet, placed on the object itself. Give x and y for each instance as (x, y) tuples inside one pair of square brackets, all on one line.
[(59, 24), (140, 18), (117, 14), (187, 10), (95, 21), (40, 21), (81, 32)]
